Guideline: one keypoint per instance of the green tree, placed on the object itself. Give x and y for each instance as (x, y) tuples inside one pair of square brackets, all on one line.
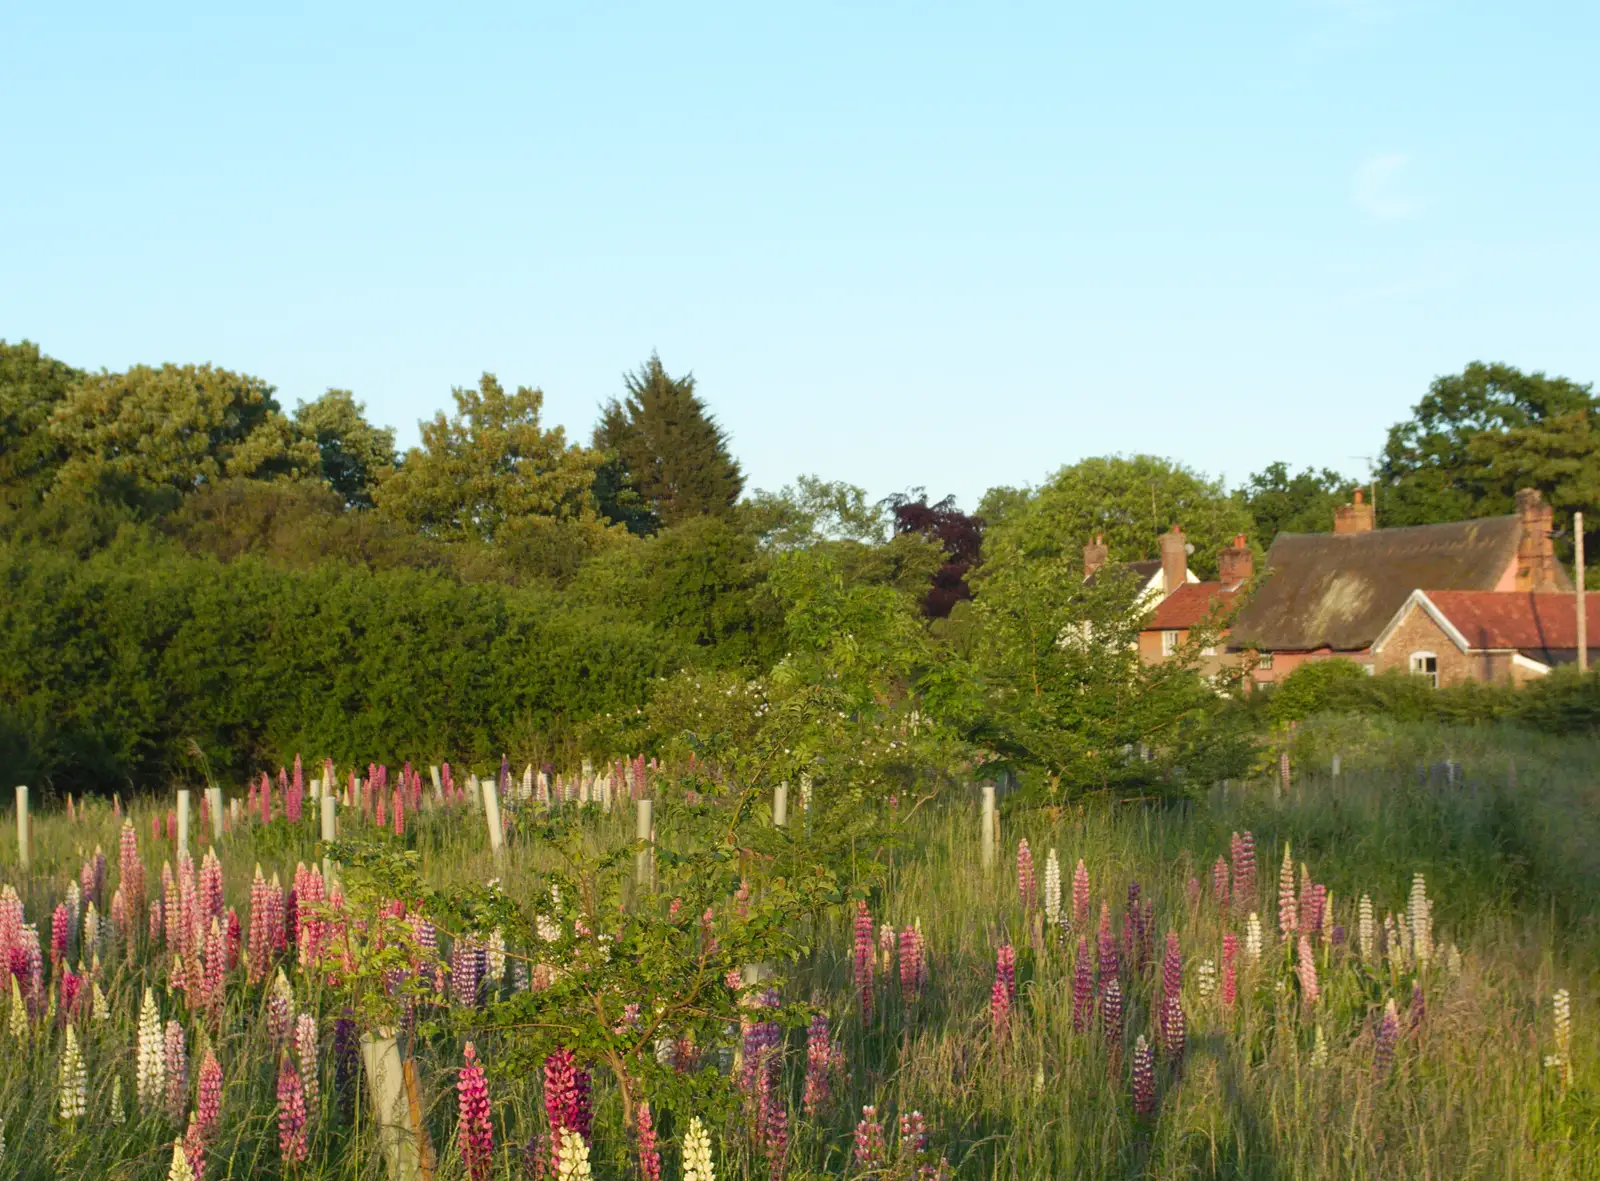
[(494, 474), (1130, 499), (1058, 691), (156, 434), (355, 454), (1282, 503), (1479, 435), (813, 510), (32, 385), (667, 459)]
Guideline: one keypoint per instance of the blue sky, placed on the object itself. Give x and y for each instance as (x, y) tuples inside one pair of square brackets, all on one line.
[(899, 244)]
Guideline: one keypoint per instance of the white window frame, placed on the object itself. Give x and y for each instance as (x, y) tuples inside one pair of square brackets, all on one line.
[(1418, 664), (1169, 642)]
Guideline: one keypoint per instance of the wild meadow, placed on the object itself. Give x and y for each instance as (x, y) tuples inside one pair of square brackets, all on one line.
[(1388, 973)]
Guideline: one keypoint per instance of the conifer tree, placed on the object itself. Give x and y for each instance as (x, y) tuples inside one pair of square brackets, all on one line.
[(667, 460)]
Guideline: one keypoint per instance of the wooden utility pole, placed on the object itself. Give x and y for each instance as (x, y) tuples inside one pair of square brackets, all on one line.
[(1583, 612)]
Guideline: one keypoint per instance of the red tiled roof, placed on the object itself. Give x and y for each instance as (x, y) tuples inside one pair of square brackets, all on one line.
[(1189, 606), (1517, 619)]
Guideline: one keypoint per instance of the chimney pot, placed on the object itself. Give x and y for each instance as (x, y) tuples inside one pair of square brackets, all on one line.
[(1236, 564), (1094, 555), (1174, 559), (1355, 517)]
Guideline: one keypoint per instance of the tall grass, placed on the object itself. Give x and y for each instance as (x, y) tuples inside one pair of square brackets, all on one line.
[(1512, 863)]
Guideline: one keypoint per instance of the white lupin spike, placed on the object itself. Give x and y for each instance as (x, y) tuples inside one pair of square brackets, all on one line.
[(1419, 920), (74, 1093), (1252, 936), (1366, 930), (1052, 887), (150, 1080)]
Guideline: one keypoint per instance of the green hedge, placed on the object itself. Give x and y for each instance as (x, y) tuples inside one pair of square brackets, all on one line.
[(110, 667)]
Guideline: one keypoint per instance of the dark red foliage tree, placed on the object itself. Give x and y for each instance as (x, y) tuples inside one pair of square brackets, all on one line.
[(959, 533)]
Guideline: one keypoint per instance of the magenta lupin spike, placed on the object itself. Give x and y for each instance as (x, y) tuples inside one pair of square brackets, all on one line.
[(1244, 873), (1418, 1013), (399, 813), (476, 1129), (208, 1108), (1108, 943), (823, 1059), (130, 871), (381, 818), (999, 1008), (1219, 883), (871, 1152), (1173, 1025), (1111, 1018), (1005, 968), (1306, 968), (863, 961), (172, 826), (911, 967), (1230, 969), (264, 797), (649, 1154), (293, 1142), (177, 1056), (1025, 882), (1144, 1078), (1080, 895), (1083, 988), (1383, 1042), (155, 827), (59, 924)]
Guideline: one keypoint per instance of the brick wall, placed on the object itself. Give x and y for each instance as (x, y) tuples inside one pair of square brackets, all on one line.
[(1419, 633)]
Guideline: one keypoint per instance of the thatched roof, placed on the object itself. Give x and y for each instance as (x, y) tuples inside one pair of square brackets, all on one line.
[(1327, 590)]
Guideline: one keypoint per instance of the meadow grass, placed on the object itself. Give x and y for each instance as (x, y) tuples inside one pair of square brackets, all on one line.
[(1511, 860)]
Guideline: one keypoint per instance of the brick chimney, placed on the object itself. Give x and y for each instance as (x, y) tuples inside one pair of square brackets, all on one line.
[(1174, 560), (1236, 564), (1536, 553), (1095, 555), (1355, 517)]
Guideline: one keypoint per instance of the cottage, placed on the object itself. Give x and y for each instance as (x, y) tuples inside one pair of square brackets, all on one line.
[(1450, 636), (1335, 595)]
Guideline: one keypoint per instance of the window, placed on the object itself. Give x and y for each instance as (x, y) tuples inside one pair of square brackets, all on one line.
[(1425, 664), (1264, 660), (1169, 643)]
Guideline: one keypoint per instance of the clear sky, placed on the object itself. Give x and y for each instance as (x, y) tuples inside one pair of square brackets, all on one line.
[(899, 244)]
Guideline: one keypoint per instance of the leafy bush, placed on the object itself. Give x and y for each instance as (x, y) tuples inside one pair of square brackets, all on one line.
[(110, 666)]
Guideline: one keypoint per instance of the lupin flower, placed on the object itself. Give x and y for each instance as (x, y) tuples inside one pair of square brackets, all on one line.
[(1108, 943), (465, 970), (305, 1048), (1230, 969), (1419, 920), (911, 963), (346, 1059), (1025, 883), (1206, 979), (649, 1154), (1144, 1078), (863, 961), (572, 1156), (1244, 871), (1383, 1043), (1561, 1030), (150, 1078), (208, 1096), (1173, 1026), (73, 1095), (566, 1096), (1418, 1012), (1219, 883), (1306, 968), (1052, 888), (871, 1152), (824, 1059), (211, 887), (1366, 930), (280, 1009), (697, 1153), (999, 1009), (60, 931), (1288, 907), (177, 1070), (293, 1141), (180, 1169), (1111, 1018), (118, 1116), (475, 1130), (1083, 988), (99, 1009), (17, 1022), (1005, 969), (1252, 936), (887, 943), (1080, 894), (1319, 1050)]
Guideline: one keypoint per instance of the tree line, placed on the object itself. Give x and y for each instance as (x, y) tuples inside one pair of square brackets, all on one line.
[(196, 573)]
